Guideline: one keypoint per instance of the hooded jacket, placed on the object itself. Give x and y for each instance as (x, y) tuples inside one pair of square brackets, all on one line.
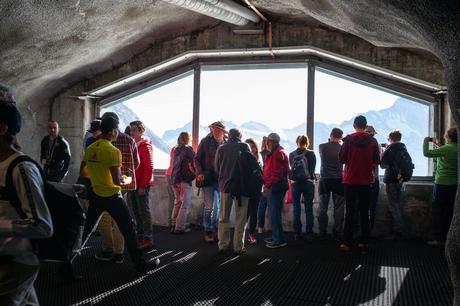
[(276, 166), (360, 153), (389, 162), (144, 173)]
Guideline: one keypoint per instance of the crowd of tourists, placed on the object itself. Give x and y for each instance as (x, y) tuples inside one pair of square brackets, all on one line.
[(230, 172)]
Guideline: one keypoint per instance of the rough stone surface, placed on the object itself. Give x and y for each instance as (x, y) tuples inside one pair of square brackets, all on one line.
[(48, 46)]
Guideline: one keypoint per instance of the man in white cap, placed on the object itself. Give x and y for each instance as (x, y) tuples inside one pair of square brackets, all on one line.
[(207, 178)]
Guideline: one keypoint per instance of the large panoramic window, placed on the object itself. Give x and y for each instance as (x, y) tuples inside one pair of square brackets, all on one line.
[(257, 99), (339, 99), (166, 110)]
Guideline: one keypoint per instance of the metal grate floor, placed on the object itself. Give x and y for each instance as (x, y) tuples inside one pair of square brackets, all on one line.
[(192, 273)]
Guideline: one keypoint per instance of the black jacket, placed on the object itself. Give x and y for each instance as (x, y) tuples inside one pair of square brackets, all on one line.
[(389, 162), (57, 157), (204, 160)]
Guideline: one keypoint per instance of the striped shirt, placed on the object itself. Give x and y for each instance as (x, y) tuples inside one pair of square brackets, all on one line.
[(129, 158)]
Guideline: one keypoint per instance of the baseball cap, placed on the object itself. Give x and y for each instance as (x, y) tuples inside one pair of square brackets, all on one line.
[(95, 126), (109, 114)]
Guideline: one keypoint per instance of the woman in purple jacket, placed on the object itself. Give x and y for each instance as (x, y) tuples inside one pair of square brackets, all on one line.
[(183, 173)]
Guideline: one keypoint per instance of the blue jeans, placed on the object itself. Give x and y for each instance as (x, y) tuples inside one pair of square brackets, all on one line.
[(211, 198), (275, 206), (308, 191), (261, 211)]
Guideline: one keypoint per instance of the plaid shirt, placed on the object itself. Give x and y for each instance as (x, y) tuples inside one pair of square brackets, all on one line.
[(129, 158)]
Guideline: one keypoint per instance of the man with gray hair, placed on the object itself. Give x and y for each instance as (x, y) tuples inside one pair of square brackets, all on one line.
[(226, 164)]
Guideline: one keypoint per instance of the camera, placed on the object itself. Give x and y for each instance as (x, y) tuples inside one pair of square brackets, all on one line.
[(431, 139)]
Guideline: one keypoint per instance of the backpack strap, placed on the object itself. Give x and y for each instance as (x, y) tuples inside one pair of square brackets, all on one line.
[(12, 195)]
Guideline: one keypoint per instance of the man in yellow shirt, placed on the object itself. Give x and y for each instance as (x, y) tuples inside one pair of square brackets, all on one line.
[(101, 163)]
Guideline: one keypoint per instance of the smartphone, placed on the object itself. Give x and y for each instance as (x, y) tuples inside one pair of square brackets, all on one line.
[(383, 145)]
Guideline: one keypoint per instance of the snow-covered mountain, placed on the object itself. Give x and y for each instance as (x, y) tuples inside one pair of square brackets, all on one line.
[(411, 118)]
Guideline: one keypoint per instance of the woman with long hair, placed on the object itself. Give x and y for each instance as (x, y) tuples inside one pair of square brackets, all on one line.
[(253, 201), (261, 211), (183, 173), (303, 163)]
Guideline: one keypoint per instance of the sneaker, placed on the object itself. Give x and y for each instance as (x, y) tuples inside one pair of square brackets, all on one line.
[(252, 238), (146, 244), (344, 247), (118, 258), (181, 231), (275, 245), (261, 230), (104, 256), (146, 265), (435, 243), (268, 240)]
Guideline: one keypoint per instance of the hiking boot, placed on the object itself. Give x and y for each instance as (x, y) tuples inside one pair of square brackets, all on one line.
[(118, 258), (344, 247), (104, 256), (146, 265), (208, 237), (252, 238), (276, 245), (146, 244), (239, 252)]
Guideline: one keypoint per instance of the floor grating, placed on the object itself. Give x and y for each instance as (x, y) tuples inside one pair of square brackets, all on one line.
[(192, 273)]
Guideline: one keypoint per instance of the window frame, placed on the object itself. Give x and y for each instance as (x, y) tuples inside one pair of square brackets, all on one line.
[(350, 68)]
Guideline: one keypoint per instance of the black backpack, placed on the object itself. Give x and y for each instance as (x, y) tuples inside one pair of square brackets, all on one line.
[(300, 170), (247, 179), (66, 212), (404, 166)]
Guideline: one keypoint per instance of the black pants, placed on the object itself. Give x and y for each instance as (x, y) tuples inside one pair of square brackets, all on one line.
[(118, 210), (374, 198), (253, 208), (357, 197), (443, 207)]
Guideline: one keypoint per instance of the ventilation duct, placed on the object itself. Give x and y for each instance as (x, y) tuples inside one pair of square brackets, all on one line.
[(225, 10)]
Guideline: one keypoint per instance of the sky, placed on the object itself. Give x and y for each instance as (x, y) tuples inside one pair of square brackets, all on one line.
[(262, 95)]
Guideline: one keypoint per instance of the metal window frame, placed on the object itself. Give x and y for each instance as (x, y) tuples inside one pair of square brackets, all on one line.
[(370, 75)]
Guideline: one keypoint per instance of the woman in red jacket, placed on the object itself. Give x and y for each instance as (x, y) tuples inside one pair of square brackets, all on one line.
[(144, 179)]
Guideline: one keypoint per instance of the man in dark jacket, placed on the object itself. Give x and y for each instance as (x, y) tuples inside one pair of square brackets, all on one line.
[(360, 153), (54, 154), (207, 178), (393, 180), (226, 165)]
